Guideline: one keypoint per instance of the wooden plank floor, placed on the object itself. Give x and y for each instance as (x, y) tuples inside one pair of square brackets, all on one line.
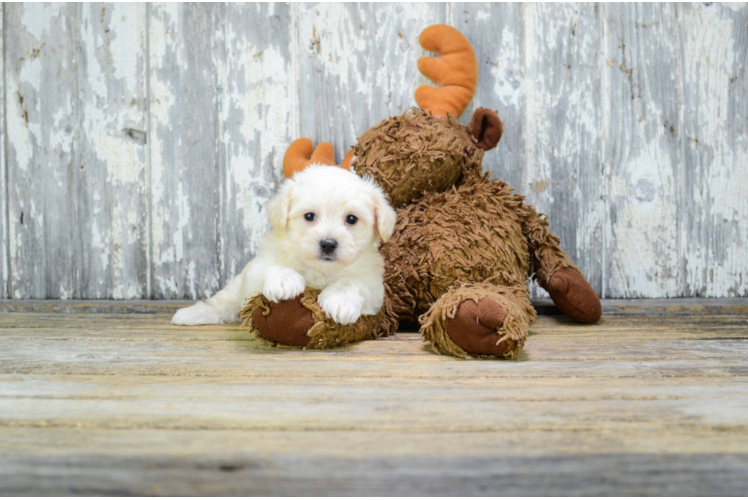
[(127, 404)]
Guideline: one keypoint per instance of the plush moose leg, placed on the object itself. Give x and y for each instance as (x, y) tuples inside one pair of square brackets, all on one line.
[(479, 319), (300, 322), (556, 273)]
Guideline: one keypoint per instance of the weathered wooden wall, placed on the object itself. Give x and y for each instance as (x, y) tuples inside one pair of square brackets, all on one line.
[(142, 142)]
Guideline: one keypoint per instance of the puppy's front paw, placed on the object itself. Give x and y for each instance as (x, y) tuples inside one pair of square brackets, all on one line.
[(282, 283), (199, 314), (343, 305)]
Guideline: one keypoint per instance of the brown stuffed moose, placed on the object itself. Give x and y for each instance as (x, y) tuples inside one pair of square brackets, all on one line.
[(464, 245)]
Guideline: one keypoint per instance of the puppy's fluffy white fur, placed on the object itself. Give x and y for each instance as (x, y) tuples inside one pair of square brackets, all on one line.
[(292, 256)]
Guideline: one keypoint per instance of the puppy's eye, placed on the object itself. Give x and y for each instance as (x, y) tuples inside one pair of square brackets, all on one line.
[(351, 219), (309, 216)]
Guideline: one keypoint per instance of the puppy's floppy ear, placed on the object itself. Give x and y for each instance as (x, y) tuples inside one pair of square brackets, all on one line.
[(385, 216), (280, 206)]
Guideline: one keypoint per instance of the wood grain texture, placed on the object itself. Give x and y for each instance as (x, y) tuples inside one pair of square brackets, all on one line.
[(41, 158), (544, 307), (4, 256), (76, 150), (642, 152), (270, 475), (124, 403), (257, 85), (142, 143), (714, 38), (229, 78), (263, 474), (185, 61)]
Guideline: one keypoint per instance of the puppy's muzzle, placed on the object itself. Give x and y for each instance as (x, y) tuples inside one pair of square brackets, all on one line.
[(327, 248)]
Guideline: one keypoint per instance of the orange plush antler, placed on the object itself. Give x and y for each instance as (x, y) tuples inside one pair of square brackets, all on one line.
[(455, 71), (301, 154)]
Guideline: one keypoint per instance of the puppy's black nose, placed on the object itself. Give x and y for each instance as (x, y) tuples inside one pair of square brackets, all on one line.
[(328, 246)]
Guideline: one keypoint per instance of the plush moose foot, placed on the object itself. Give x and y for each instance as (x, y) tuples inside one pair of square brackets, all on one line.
[(574, 296), (475, 327), (287, 323), (479, 319)]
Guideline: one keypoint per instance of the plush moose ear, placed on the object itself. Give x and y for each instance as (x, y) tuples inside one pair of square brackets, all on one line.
[(487, 128)]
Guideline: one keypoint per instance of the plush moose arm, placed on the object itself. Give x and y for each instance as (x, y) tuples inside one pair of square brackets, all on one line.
[(555, 271)]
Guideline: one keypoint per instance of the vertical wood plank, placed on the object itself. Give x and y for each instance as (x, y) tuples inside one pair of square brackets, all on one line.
[(357, 66), (641, 103), (76, 201), (112, 150), (257, 123), (4, 257), (714, 205), (562, 138), (41, 59), (184, 59)]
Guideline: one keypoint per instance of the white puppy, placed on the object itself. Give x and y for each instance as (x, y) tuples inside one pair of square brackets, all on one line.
[(327, 223)]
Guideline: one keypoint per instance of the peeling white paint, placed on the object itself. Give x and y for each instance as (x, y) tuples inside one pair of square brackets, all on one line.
[(536, 135), (127, 25), (264, 106), (23, 132), (34, 13), (614, 178), (715, 249), (74, 172), (4, 236), (162, 100), (642, 151)]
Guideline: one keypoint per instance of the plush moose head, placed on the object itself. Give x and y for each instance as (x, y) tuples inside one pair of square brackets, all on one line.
[(427, 150), (424, 150)]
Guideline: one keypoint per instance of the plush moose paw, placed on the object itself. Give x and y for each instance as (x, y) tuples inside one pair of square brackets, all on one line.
[(287, 323), (574, 296), (475, 327)]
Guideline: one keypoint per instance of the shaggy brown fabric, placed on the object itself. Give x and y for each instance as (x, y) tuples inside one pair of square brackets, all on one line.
[(465, 244), (486, 127), (323, 332), (469, 234), (508, 339), (547, 257), (416, 153), (574, 296)]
